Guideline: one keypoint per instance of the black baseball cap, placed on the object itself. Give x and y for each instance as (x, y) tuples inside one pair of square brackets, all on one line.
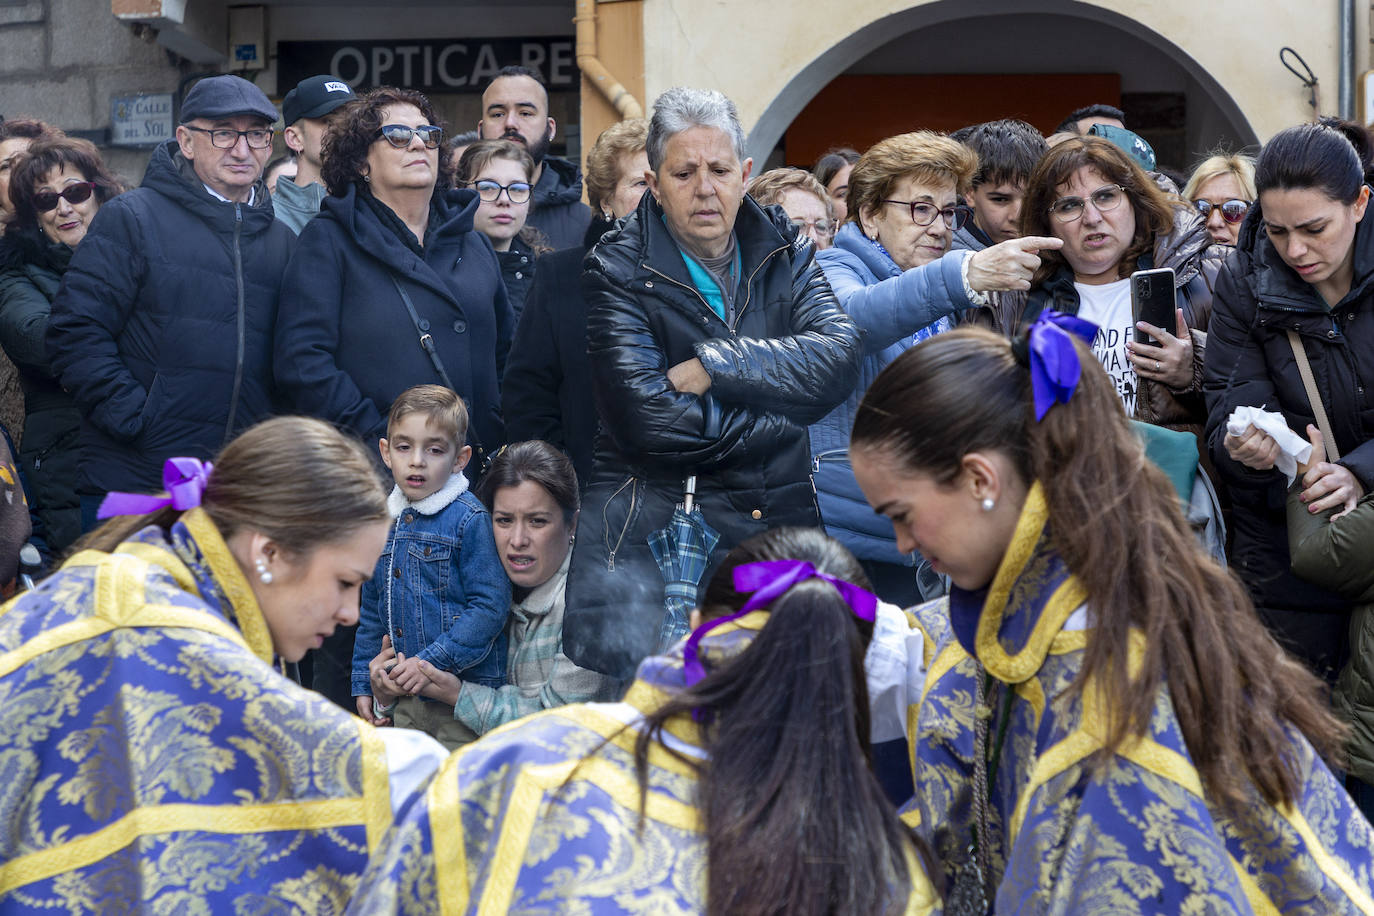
[(314, 98), (224, 97)]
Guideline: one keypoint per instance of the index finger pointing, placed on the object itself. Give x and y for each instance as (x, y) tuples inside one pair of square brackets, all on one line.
[(1040, 242)]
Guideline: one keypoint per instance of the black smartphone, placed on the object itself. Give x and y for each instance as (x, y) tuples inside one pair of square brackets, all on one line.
[(1153, 300)]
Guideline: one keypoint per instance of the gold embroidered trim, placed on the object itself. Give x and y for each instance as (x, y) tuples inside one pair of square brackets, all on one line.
[(163, 559), (159, 819), (1259, 902), (231, 581), (1013, 669), (447, 840), (376, 784), (1324, 860)]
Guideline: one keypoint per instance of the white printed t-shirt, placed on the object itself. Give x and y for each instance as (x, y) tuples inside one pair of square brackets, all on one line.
[(1109, 307)]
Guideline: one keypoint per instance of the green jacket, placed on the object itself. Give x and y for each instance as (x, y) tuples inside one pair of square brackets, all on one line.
[(1337, 555)]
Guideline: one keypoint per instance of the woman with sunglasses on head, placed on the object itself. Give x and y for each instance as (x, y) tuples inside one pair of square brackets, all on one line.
[(56, 188), (501, 173), (1113, 220), (1300, 285), (1222, 188), (733, 778), (391, 286), (892, 270)]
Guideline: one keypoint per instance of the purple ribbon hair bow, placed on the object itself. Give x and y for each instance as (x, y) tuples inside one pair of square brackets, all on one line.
[(768, 580), (1054, 366), (184, 480)]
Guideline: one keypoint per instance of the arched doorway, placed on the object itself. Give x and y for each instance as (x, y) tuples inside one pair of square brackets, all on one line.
[(954, 62)]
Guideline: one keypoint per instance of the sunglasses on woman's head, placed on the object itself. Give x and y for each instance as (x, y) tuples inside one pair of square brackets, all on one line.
[(1233, 211), (78, 193), (400, 135)]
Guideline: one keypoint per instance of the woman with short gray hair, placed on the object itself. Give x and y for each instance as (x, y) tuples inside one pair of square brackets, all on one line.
[(714, 341)]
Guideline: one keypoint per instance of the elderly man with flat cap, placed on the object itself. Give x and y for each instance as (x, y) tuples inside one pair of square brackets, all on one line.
[(162, 327), (305, 112)]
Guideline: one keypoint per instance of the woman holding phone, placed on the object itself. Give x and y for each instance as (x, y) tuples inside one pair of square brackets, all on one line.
[(1114, 220)]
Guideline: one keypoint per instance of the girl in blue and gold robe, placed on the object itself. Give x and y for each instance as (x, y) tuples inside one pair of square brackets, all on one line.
[(731, 779), (152, 757), (1105, 726)]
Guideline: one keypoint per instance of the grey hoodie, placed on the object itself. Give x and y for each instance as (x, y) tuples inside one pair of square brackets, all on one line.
[(295, 205)]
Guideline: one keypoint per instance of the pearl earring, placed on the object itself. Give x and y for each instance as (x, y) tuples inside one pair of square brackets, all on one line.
[(263, 573), (988, 503)]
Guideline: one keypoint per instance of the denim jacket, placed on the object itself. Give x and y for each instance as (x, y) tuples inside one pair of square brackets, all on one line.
[(439, 589)]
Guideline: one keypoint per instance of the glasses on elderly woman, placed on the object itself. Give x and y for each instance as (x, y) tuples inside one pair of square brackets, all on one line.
[(400, 135), (923, 213), (73, 194), (823, 228), (1233, 211)]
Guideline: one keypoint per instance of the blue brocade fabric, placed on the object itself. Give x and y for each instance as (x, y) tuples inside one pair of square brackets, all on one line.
[(541, 816), (152, 759), (1136, 835)]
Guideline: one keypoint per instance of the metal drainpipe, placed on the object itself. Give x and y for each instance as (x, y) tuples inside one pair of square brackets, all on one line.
[(592, 67), (1346, 95)]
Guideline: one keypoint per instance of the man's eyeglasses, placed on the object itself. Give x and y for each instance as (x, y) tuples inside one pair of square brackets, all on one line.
[(1108, 197), (79, 193), (225, 138), (400, 135), (490, 191), (1233, 211), (923, 214), (823, 228)]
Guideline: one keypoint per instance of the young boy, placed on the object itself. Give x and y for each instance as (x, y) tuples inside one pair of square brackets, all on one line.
[(1007, 153), (439, 592)]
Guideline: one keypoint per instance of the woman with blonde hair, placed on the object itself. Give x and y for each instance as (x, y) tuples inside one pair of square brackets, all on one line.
[(155, 754), (802, 198), (1222, 187)]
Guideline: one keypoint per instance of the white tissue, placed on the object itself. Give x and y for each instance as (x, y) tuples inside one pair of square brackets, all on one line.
[(1293, 448)]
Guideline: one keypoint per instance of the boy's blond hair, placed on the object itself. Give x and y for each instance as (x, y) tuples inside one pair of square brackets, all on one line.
[(440, 405)]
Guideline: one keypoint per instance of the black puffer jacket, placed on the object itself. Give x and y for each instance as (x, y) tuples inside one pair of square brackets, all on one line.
[(557, 209), (162, 330), (792, 356), (31, 270), (1250, 362)]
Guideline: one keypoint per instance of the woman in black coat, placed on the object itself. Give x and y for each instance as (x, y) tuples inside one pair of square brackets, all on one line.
[(392, 232), (547, 390), (390, 287), (1304, 263), (56, 189)]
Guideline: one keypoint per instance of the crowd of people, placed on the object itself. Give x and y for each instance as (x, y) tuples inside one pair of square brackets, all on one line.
[(917, 573)]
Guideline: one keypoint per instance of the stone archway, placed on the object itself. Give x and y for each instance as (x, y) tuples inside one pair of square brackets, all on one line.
[(982, 20)]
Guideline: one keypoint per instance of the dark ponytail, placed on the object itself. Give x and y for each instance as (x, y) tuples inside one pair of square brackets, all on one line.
[(1114, 519), (796, 823), (1333, 156)]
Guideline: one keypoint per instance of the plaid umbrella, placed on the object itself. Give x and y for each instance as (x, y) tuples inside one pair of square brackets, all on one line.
[(681, 549)]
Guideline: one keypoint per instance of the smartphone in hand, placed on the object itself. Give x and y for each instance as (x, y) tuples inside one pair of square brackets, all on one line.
[(1153, 300)]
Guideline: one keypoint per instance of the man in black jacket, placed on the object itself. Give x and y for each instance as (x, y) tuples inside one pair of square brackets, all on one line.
[(714, 341), (515, 107), (162, 327)]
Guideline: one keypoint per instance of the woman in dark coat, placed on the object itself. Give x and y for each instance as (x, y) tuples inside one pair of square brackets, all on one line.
[(1304, 263), (56, 189), (391, 233), (390, 287), (714, 340), (547, 390)]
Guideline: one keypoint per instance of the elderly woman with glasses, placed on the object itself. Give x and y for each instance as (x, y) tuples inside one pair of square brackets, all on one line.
[(1222, 188), (1113, 220), (802, 198), (391, 286), (893, 272), (57, 188)]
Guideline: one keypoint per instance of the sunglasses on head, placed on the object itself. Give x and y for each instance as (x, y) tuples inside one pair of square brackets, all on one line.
[(78, 193), (1233, 211), (400, 135)]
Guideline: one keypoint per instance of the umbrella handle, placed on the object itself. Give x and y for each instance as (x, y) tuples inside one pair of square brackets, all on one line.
[(689, 491)]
